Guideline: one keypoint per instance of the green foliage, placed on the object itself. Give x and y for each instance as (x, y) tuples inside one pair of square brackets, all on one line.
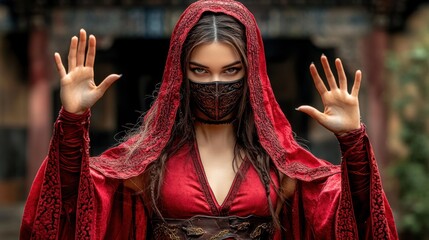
[(410, 103)]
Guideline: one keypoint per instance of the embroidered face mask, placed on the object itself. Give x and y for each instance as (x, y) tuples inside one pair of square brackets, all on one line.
[(216, 99)]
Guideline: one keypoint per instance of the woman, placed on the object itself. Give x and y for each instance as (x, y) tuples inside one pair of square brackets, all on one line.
[(215, 157)]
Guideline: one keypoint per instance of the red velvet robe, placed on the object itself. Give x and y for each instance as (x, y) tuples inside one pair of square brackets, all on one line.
[(322, 205)]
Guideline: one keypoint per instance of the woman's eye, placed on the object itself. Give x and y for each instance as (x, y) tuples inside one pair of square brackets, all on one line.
[(233, 70), (198, 70)]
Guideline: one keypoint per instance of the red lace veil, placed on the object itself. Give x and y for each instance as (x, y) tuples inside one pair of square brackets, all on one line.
[(273, 128)]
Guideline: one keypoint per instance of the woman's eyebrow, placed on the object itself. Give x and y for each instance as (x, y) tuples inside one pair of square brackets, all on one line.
[(197, 64), (232, 64), (226, 66)]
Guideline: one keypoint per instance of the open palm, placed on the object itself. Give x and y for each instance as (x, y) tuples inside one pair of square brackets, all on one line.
[(78, 89), (341, 109)]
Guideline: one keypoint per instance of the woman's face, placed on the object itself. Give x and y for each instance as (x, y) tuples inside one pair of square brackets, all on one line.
[(215, 61)]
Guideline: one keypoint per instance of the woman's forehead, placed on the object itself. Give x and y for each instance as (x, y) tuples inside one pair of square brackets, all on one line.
[(215, 53)]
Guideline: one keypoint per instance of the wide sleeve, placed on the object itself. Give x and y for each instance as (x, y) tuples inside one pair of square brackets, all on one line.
[(70, 200), (353, 149), (324, 209)]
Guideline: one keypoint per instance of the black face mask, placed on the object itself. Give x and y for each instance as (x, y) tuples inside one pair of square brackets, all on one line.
[(217, 99)]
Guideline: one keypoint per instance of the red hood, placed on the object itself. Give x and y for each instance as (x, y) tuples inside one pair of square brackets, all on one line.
[(274, 130)]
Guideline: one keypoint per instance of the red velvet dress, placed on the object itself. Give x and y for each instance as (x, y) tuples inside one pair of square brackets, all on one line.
[(122, 213), (329, 202)]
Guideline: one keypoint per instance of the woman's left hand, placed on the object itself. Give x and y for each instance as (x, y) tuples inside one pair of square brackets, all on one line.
[(341, 108)]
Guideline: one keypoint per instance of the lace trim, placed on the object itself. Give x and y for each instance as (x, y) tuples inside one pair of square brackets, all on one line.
[(205, 187)]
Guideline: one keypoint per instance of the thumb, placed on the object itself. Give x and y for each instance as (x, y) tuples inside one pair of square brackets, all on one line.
[(311, 111), (108, 81)]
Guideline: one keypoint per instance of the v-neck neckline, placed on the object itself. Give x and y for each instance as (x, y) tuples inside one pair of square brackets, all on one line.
[(216, 208)]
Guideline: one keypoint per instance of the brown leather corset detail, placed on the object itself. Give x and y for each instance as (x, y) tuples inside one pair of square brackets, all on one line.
[(208, 227)]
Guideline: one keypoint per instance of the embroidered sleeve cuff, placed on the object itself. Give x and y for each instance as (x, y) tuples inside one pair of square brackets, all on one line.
[(353, 139), (72, 118), (73, 136)]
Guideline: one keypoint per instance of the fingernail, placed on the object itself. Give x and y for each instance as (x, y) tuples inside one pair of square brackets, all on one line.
[(297, 108), (120, 75), (323, 55)]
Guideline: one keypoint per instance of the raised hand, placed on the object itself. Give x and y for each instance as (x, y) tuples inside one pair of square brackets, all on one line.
[(78, 89), (341, 109)]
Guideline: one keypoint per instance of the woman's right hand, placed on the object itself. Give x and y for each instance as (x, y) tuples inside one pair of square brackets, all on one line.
[(78, 89)]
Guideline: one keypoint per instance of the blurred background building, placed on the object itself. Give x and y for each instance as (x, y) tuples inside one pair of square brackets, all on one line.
[(387, 39)]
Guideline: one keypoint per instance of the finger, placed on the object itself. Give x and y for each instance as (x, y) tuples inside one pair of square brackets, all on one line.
[(328, 73), (72, 53), (90, 55), (81, 48), (318, 82), (311, 111), (342, 79), (60, 67), (356, 84), (107, 82)]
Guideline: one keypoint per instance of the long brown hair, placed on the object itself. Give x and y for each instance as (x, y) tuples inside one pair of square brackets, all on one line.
[(210, 28)]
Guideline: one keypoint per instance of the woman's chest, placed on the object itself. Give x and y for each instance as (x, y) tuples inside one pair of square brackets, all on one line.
[(186, 191)]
